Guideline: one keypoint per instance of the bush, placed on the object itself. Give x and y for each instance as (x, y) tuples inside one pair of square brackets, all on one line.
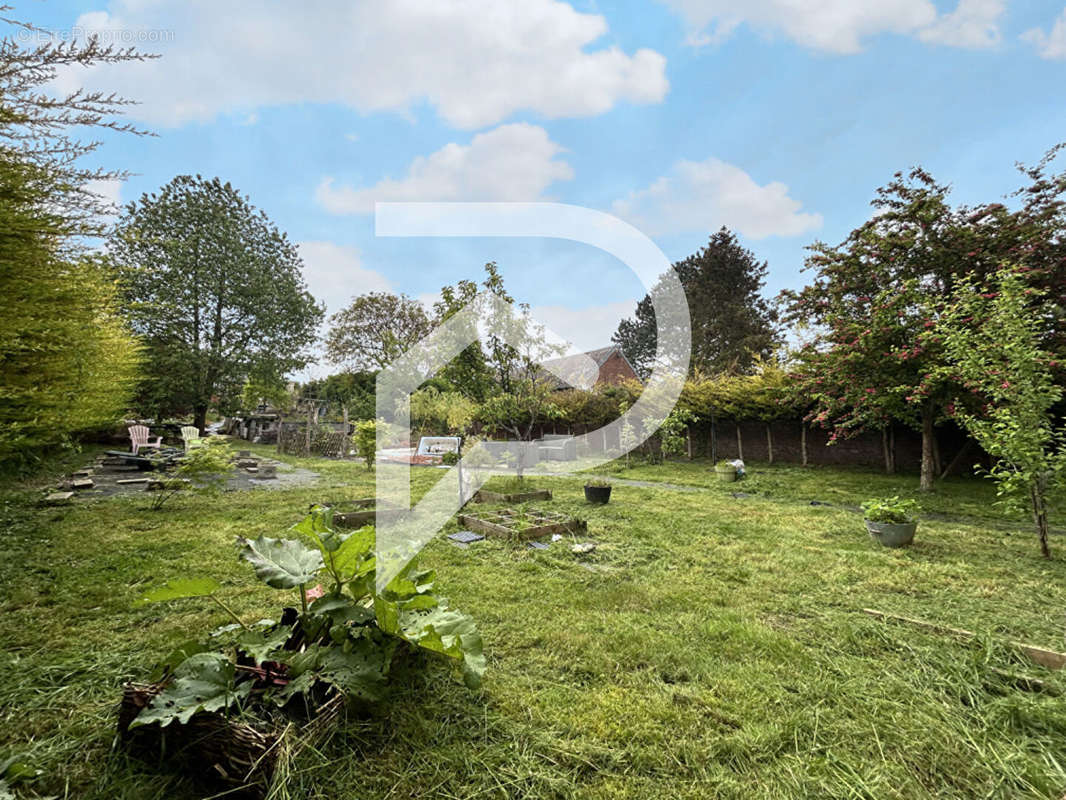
[(365, 440)]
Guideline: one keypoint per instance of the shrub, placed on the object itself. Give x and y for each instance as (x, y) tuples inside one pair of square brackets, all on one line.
[(365, 440)]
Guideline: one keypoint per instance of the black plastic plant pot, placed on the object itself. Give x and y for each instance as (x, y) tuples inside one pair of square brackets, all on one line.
[(598, 494)]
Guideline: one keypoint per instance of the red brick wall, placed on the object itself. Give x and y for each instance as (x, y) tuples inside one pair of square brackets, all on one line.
[(615, 370)]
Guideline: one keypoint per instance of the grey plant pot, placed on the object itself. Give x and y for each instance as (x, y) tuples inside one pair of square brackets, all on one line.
[(728, 475), (892, 534)]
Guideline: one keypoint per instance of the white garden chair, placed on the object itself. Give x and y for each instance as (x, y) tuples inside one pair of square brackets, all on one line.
[(139, 438), (190, 436)]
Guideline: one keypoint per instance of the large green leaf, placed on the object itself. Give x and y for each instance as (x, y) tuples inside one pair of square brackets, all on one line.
[(202, 682), (449, 632), (259, 646), (358, 668), (354, 556), (179, 588), (282, 563)]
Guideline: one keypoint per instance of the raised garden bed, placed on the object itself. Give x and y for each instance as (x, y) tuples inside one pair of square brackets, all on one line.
[(357, 513), (532, 523), (485, 496)]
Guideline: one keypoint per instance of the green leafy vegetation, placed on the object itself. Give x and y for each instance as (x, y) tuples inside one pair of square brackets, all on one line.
[(346, 638), (890, 509)]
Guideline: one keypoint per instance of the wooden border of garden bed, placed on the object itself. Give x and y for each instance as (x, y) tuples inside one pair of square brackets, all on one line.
[(364, 511), (485, 496), (495, 524)]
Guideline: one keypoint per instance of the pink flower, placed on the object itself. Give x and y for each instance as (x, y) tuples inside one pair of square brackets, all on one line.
[(316, 592)]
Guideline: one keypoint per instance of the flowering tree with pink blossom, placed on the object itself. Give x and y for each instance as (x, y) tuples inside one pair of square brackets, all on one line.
[(874, 306)]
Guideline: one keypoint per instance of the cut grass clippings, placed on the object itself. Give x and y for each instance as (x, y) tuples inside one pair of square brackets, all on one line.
[(708, 647)]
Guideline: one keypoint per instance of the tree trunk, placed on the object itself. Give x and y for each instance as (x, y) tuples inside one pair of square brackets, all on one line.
[(803, 442), (1037, 492), (740, 444), (885, 451), (200, 419), (688, 442), (769, 444), (937, 466), (310, 424), (925, 484), (892, 447), (714, 441)]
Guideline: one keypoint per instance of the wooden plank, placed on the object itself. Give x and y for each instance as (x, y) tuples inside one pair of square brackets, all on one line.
[(123, 481), (59, 498), (485, 496), (1040, 655)]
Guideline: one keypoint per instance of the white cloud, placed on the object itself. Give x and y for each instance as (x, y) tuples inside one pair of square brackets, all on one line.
[(511, 162), (335, 274), (973, 24), (840, 26), (476, 61), (108, 191), (584, 328), (1049, 45), (705, 195)]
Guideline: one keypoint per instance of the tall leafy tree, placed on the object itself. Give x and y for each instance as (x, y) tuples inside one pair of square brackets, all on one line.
[(215, 290), (877, 299), (374, 329), (474, 371), (733, 325), (875, 304)]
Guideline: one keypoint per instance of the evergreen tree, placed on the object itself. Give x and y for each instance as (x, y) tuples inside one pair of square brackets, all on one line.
[(66, 358), (733, 325)]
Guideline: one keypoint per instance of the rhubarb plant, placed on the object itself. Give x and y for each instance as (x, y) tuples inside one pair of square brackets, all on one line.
[(343, 638)]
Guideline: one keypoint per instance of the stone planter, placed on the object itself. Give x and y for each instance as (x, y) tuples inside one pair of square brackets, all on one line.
[(892, 534), (600, 495), (727, 474)]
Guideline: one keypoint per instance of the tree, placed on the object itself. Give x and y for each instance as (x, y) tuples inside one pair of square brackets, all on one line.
[(67, 361), (993, 340), (733, 325), (471, 372), (875, 302), (374, 329), (66, 358), (215, 291), (36, 125)]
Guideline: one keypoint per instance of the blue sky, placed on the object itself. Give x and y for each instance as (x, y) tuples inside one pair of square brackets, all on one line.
[(681, 116)]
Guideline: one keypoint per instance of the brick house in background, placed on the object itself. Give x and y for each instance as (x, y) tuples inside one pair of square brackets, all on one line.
[(614, 367)]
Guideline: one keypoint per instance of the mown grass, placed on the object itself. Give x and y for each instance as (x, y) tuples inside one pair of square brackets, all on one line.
[(709, 647)]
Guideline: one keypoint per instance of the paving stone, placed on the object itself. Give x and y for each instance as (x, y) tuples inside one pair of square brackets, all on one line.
[(465, 537), (539, 546), (59, 498), (124, 481), (82, 483)]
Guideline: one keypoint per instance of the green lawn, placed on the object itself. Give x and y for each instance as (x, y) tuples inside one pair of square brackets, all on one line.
[(709, 647)]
